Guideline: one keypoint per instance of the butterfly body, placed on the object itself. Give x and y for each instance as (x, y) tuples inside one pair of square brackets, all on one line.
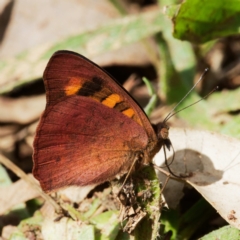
[(91, 130)]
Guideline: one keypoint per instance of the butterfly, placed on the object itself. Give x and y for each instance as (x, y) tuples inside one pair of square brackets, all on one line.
[(92, 130)]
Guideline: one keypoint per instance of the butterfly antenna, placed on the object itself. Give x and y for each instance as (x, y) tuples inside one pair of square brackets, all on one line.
[(172, 111), (192, 103)]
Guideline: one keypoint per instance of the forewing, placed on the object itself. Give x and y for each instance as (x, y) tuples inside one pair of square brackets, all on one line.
[(91, 129), (69, 73)]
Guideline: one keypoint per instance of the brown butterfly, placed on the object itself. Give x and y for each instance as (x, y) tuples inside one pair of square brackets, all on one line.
[(92, 130)]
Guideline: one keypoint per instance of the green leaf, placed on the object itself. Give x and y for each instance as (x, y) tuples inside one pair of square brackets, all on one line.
[(147, 181), (177, 65), (153, 100), (30, 224), (217, 113), (194, 219), (199, 21), (87, 232), (227, 232), (107, 225)]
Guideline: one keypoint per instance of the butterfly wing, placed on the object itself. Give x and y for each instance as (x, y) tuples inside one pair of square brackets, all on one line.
[(91, 129)]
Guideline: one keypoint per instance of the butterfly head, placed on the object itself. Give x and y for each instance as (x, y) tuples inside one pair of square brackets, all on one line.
[(162, 131)]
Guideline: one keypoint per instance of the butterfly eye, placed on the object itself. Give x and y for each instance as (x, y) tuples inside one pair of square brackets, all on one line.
[(164, 132)]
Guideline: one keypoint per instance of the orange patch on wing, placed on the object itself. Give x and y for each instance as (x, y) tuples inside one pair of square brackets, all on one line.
[(73, 86), (111, 100), (128, 112)]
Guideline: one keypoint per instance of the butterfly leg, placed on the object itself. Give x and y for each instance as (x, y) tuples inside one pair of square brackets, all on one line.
[(136, 158), (168, 175)]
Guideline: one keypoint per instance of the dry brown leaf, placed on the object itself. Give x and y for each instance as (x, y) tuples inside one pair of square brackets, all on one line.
[(75, 193), (18, 192), (60, 19), (7, 231), (23, 110), (214, 160), (67, 19)]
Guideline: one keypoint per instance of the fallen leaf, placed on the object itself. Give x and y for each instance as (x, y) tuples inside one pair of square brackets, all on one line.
[(214, 162), (18, 192)]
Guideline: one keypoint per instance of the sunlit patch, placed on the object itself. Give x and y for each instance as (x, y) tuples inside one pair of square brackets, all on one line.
[(73, 86), (128, 112), (111, 100)]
